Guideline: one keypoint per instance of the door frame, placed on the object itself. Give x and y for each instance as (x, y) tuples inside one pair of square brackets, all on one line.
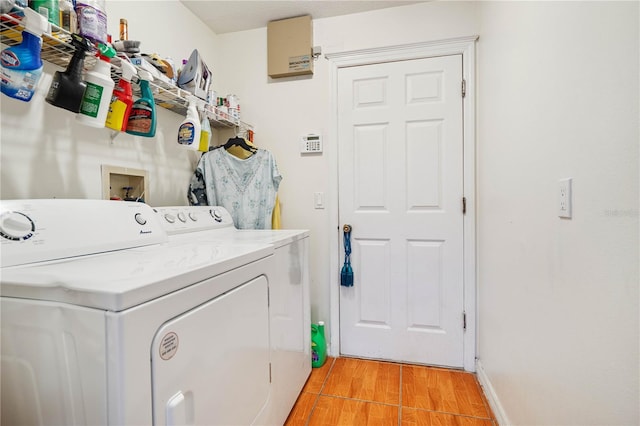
[(464, 46)]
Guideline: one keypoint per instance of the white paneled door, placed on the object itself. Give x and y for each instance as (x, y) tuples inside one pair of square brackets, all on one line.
[(400, 150)]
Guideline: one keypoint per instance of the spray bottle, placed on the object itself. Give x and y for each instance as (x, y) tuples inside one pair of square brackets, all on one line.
[(21, 64), (97, 95), (67, 87), (205, 133), (122, 99), (142, 120), (189, 130)]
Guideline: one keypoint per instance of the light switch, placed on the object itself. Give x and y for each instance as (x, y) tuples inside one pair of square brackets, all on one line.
[(318, 200)]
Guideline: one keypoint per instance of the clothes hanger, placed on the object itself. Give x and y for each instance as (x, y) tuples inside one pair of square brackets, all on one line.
[(240, 142)]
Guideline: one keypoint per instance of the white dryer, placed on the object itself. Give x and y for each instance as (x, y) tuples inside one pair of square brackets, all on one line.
[(105, 320), (289, 310)]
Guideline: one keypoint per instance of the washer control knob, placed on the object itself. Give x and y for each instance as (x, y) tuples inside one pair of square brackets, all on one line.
[(140, 219), (182, 217), (16, 226), (193, 216), (169, 217), (216, 215)]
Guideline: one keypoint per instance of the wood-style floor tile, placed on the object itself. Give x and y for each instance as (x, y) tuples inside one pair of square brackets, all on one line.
[(301, 410), (364, 380), (317, 377), (415, 417), (442, 390), (331, 411)]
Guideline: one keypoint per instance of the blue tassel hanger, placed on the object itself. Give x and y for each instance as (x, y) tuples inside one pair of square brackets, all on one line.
[(346, 275)]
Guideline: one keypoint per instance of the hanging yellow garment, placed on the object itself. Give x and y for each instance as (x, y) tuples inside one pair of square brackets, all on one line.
[(275, 216)]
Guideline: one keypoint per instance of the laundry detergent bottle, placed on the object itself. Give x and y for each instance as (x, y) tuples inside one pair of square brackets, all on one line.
[(122, 99), (318, 345), (21, 64), (67, 87), (189, 130), (142, 120), (97, 95)]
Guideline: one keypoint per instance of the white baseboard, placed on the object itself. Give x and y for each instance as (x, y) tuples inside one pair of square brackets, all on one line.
[(492, 397)]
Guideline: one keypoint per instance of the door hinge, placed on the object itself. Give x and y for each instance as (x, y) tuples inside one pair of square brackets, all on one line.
[(464, 321), (464, 88), (464, 205)]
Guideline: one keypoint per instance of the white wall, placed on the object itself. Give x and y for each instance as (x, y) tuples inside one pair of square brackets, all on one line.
[(282, 110), (558, 298), (44, 153), (558, 97)]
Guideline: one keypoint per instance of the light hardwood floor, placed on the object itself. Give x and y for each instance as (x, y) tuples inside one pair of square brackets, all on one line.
[(349, 391)]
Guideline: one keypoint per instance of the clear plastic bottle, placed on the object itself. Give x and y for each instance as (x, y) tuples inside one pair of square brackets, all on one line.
[(92, 20), (68, 17), (205, 133)]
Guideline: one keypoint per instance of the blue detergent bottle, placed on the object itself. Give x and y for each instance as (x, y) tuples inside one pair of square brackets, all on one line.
[(21, 64)]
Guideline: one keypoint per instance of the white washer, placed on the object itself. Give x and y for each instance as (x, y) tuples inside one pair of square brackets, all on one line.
[(289, 312), (105, 320)]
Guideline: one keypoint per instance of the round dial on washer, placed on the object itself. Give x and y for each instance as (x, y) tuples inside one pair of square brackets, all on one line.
[(216, 215), (16, 226), (169, 218), (140, 219), (182, 217), (193, 216)]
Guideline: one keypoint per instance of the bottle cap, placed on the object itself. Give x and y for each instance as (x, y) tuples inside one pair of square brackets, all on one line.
[(128, 70), (106, 51), (144, 75)]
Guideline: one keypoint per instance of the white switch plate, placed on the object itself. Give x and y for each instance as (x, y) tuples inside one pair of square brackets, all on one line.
[(318, 200), (564, 198)]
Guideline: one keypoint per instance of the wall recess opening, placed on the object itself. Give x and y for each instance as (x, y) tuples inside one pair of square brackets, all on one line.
[(123, 183)]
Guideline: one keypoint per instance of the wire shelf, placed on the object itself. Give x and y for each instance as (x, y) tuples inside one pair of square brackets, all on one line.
[(57, 49)]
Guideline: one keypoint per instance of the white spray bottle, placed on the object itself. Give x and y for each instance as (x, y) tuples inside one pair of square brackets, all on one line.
[(97, 95), (189, 130)]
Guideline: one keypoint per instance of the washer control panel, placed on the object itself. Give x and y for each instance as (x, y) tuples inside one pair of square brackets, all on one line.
[(181, 219), (49, 229)]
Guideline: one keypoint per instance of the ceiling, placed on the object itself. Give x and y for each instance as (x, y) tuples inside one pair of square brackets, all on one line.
[(225, 16)]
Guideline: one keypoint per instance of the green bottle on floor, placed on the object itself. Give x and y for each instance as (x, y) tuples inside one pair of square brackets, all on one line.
[(318, 345)]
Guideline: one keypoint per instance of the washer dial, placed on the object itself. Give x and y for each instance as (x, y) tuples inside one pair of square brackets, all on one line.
[(216, 215), (16, 226)]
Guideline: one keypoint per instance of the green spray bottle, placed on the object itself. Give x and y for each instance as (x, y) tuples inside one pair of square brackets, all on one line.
[(318, 345), (142, 120)]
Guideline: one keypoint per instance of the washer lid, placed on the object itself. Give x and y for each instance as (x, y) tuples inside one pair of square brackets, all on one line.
[(275, 237), (119, 280)]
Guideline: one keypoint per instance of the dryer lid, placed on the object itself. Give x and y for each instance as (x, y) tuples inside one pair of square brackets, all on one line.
[(119, 280)]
